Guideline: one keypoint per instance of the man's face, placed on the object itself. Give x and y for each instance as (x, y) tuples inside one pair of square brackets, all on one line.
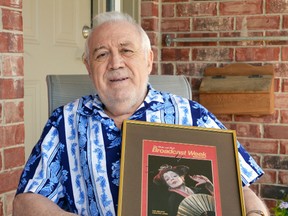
[(118, 65)]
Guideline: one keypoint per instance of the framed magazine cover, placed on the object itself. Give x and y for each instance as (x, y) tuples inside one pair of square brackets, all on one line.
[(151, 152)]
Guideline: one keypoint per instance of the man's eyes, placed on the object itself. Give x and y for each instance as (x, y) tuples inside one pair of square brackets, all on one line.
[(127, 52), (101, 56)]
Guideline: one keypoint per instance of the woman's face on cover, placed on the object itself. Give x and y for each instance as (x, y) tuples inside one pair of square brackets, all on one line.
[(172, 179)]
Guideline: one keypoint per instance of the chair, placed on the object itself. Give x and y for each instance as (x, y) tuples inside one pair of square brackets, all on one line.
[(65, 88)]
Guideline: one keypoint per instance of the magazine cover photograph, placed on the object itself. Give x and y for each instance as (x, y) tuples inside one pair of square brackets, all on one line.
[(178, 170), (180, 180)]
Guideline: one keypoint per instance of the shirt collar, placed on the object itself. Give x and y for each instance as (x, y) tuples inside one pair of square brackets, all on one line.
[(92, 104)]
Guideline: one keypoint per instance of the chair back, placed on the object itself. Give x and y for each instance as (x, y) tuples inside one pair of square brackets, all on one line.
[(65, 88)]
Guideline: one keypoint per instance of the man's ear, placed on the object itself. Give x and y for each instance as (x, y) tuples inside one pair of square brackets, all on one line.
[(85, 60), (150, 58)]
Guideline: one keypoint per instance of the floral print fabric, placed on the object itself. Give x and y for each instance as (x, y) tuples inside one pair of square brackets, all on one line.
[(76, 162)]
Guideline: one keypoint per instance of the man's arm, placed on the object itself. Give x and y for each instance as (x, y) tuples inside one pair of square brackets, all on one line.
[(30, 204), (253, 202)]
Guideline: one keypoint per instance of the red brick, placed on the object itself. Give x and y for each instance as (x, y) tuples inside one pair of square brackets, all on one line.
[(195, 70), (1, 165), (212, 54), (14, 157), (224, 118), (1, 117), (150, 24), (9, 180), (4, 38), (275, 162), (2, 133), (168, 10), (11, 88), (11, 3), (149, 9), (269, 177), (258, 54), (277, 84), (186, 69), (167, 68), (153, 36), (12, 135), (276, 6), (258, 23), (1, 207), (196, 9), (195, 96), (284, 56), (284, 147), (284, 85), (12, 20), (257, 119), (251, 7), (285, 21), (171, 25), (275, 131), (13, 66), (277, 42), (155, 68), (248, 130), (260, 145), (170, 54), (283, 177), (14, 112), (281, 101), (11, 42), (195, 83), (230, 126), (281, 69), (213, 24)]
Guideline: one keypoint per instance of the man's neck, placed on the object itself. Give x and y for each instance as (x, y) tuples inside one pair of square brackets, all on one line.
[(119, 117)]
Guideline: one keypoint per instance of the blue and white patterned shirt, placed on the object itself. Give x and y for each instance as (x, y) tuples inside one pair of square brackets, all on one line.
[(76, 162)]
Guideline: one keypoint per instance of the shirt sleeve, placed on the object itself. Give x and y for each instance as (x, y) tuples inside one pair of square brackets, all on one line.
[(43, 173), (249, 169)]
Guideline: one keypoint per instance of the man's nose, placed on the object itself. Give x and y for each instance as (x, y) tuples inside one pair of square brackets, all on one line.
[(116, 61)]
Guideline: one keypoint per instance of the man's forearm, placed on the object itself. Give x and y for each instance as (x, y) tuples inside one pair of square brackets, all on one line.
[(29, 204), (253, 204)]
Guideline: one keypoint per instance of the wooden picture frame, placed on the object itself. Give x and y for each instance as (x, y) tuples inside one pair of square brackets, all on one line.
[(208, 152)]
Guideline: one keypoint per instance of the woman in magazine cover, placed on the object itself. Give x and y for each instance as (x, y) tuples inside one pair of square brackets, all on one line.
[(174, 178)]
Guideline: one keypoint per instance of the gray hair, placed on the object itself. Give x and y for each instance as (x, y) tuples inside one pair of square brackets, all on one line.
[(115, 16)]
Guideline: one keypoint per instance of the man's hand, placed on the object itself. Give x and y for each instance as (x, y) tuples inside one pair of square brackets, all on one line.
[(30, 204)]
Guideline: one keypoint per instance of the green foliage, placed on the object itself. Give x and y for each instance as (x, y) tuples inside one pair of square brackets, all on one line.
[(281, 208)]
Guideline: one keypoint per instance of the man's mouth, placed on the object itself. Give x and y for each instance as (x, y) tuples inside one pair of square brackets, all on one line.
[(119, 79)]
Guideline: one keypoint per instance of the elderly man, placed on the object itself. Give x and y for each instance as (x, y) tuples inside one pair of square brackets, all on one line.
[(74, 168)]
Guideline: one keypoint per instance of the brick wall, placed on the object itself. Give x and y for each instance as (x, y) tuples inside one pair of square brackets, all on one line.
[(11, 101), (265, 137)]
